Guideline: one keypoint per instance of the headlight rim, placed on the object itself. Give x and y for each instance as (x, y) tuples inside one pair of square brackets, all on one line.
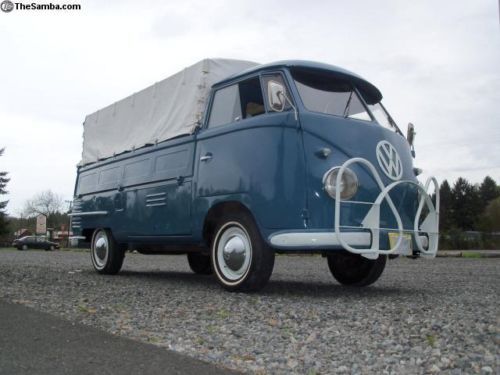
[(347, 171)]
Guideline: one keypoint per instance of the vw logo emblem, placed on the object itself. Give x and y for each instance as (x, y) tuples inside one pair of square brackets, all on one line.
[(389, 160)]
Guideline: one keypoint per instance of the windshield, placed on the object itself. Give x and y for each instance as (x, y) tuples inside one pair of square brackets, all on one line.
[(382, 117), (329, 94), (325, 94)]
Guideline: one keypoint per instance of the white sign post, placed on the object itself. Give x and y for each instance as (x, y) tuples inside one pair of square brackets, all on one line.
[(41, 224)]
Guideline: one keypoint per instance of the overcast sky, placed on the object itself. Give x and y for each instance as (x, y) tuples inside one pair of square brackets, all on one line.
[(436, 62)]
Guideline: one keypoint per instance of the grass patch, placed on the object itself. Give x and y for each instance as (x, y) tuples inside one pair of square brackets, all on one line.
[(211, 329), (87, 309), (223, 314), (68, 249), (431, 340), (153, 340), (470, 254)]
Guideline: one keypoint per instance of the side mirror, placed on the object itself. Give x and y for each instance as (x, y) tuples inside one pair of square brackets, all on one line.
[(410, 137), (276, 96), (410, 134)]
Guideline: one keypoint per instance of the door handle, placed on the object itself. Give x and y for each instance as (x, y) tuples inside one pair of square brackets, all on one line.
[(206, 157)]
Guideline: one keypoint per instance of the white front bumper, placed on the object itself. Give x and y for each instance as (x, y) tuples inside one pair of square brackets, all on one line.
[(326, 240)]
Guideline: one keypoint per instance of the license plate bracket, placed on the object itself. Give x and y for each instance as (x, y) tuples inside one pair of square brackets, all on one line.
[(406, 246)]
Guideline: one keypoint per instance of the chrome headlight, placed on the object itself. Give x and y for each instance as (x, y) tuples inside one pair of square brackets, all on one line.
[(348, 184)]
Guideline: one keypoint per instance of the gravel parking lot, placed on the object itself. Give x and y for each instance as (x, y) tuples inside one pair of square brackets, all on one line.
[(422, 316)]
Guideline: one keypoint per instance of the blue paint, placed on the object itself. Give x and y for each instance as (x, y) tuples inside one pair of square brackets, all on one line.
[(162, 193)]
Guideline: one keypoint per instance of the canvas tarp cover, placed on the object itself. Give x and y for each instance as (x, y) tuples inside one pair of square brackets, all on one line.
[(162, 111)]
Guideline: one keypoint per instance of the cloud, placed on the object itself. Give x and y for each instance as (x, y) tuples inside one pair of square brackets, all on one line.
[(39, 155)]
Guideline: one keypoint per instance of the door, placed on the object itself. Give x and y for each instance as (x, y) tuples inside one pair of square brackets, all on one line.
[(249, 153)]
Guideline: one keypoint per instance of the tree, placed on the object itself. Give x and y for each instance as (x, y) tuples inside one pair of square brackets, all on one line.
[(46, 203), (3, 204), (491, 216), (445, 209), (466, 205), (488, 191)]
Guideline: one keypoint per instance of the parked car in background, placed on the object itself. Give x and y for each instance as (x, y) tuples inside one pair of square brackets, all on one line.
[(34, 242)]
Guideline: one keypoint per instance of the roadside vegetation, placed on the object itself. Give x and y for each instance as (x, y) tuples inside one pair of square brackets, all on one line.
[(470, 215), (4, 226)]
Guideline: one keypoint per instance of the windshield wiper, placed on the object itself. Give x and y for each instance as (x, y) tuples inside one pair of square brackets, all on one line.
[(348, 104), (391, 120)]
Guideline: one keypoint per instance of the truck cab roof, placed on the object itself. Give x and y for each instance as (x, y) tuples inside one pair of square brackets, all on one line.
[(369, 91)]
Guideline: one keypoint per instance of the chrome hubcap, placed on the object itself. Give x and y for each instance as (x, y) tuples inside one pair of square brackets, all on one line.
[(234, 252), (101, 249)]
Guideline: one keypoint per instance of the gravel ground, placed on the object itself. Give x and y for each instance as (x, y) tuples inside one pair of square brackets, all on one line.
[(423, 316)]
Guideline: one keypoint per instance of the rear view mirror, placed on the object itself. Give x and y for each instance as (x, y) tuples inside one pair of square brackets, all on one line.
[(410, 137), (410, 134), (276, 96)]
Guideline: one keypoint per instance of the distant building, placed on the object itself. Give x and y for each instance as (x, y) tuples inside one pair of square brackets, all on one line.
[(61, 235), (22, 232)]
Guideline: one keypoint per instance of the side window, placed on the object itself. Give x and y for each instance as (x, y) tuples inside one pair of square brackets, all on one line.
[(225, 107), (279, 79), (252, 102), (237, 102)]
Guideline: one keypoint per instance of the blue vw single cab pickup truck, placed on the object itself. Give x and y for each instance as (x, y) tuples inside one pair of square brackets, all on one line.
[(231, 162)]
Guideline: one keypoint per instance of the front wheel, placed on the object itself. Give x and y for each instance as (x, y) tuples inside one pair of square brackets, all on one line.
[(107, 255), (355, 270), (241, 259)]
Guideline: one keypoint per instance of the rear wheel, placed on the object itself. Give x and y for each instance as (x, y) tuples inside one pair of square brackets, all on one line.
[(24, 247), (355, 270), (199, 263), (241, 260), (107, 255)]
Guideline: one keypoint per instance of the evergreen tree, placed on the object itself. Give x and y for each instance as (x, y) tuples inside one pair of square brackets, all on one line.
[(466, 205), (445, 209), (3, 204), (491, 216), (488, 191)]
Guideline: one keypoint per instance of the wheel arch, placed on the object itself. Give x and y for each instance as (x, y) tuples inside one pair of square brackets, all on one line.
[(219, 210), (88, 233)]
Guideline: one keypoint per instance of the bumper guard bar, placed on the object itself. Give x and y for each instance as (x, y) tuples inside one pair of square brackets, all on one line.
[(429, 226)]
